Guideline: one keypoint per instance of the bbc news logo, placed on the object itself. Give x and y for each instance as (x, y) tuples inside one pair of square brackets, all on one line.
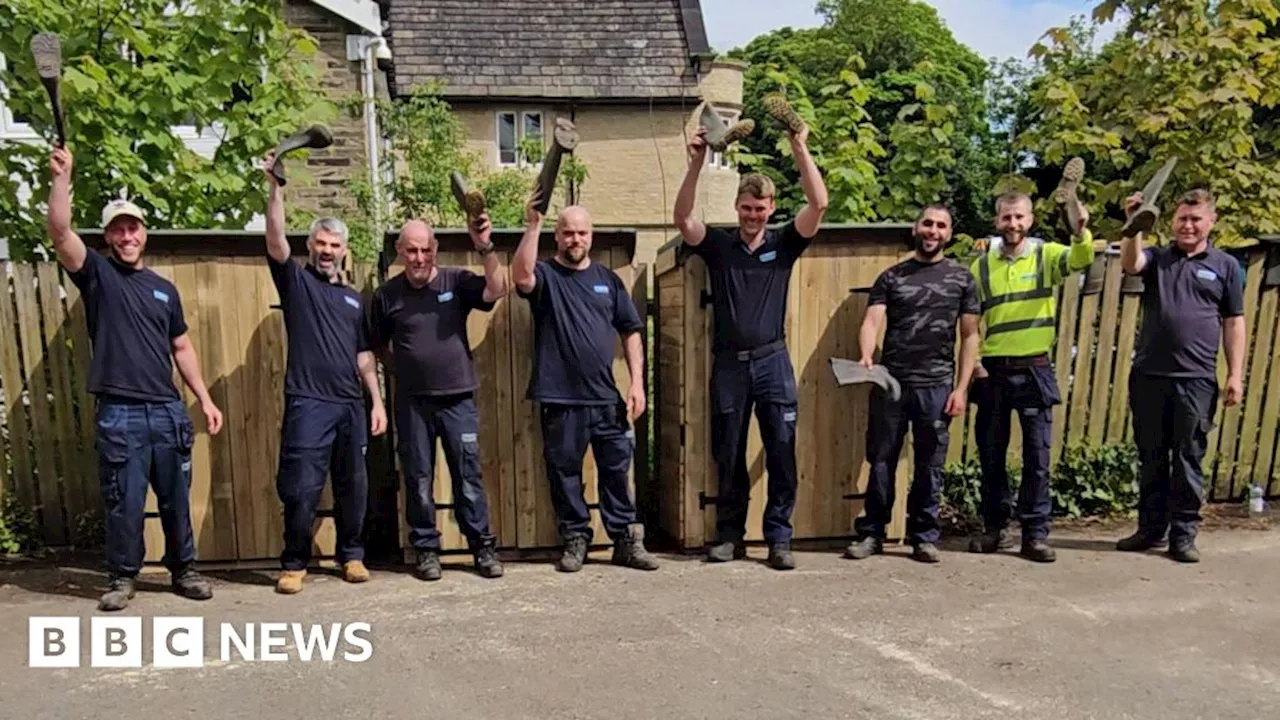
[(179, 642)]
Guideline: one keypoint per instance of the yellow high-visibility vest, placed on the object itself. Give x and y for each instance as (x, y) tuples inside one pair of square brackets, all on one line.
[(1017, 294)]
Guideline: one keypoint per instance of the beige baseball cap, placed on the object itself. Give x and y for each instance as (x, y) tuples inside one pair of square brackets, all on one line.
[(118, 208)]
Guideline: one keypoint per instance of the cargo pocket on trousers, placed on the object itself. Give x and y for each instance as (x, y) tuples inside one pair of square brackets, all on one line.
[(112, 444)]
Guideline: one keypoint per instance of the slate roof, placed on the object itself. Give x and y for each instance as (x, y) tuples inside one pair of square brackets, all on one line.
[(581, 49)]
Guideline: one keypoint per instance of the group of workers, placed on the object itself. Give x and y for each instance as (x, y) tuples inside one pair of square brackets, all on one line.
[(417, 322)]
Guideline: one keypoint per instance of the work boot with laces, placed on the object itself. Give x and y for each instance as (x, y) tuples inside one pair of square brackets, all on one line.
[(428, 567), (191, 585), (629, 550), (575, 554), (487, 563), (119, 592)]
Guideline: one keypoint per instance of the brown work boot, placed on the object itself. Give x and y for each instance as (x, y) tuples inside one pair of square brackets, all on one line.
[(777, 106), (629, 550), (1066, 195), (354, 571), (290, 581)]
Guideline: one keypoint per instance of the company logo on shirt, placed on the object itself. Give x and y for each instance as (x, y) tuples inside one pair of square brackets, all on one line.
[(769, 256), (1208, 275), (601, 289), (160, 295), (446, 296), (352, 301)]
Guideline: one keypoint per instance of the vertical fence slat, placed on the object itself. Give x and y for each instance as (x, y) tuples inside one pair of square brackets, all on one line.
[(1107, 328), (1230, 434), (75, 483), (1117, 427), (81, 355), (1077, 421), (15, 412), (1068, 312), (1253, 402), (33, 359), (1263, 470)]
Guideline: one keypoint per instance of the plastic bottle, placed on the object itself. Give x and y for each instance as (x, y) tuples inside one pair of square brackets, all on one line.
[(1257, 506)]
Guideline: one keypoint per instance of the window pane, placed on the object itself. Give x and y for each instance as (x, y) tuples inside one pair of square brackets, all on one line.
[(533, 125), (507, 138)]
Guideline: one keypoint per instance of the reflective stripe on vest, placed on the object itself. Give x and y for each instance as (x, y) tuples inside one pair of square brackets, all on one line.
[(1020, 316)]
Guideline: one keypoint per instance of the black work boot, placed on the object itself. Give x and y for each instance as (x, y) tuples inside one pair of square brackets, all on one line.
[(780, 557), (1038, 550), (428, 567), (629, 550), (726, 551), (925, 552), (487, 563), (1184, 551), (1141, 542), (191, 585), (990, 542), (120, 591), (864, 548), (575, 554)]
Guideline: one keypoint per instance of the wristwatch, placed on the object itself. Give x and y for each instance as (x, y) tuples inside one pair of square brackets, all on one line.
[(486, 249)]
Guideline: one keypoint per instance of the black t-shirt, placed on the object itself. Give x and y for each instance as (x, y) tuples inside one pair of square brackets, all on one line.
[(325, 325), (1184, 300), (133, 317), (923, 302), (749, 290), (577, 316), (427, 329)]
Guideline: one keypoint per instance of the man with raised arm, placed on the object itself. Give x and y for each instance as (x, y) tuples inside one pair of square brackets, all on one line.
[(580, 308), (1017, 276), (324, 430), (750, 270), (922, 298), (1192, 296), (138, 332), (421, 315)]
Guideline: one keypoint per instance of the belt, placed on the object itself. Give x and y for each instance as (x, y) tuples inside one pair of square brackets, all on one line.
[(1016, 362), (756, 353)]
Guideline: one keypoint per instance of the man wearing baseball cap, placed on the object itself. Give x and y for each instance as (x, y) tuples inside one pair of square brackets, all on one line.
[(138, 333)]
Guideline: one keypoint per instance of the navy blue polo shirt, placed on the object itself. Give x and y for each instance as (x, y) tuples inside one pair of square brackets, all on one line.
[(749, 289), (133, 317), (577, 316), (1184, 299), (325, 325), (427, 330)]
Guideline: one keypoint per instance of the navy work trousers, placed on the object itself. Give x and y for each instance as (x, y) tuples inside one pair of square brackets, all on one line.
[(566, 432), (319, 438), (454, 421), (1031, 392), (740, 381), (923, 408), (139, 444), (1171, 422)]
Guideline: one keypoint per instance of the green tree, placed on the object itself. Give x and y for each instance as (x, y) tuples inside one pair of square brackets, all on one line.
[(132, 71), (924, 103), (427, 142), (1191, 78)]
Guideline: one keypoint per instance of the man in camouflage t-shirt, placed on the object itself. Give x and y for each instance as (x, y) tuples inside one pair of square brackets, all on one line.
[(922, 298)]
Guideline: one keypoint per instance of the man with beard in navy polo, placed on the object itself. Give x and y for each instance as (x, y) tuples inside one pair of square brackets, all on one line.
[(579, 309), (750, 270), (144, 436), (324, 429)]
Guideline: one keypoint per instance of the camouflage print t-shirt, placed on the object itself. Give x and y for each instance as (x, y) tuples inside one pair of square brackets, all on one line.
[(923, 302)]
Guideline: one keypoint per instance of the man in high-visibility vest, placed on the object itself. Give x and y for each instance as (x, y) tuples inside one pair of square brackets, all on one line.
[(1016, 278)]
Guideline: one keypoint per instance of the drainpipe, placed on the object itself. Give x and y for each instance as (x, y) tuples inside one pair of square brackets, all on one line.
[(368, 49)]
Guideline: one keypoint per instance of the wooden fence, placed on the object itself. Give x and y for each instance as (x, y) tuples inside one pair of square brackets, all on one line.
[(47, 458)]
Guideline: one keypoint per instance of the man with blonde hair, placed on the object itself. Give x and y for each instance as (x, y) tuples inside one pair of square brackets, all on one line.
[(750, 269)]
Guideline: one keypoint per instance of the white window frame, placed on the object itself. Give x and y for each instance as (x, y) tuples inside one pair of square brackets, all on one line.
[(717, 160), (520, 116), (10, 129)]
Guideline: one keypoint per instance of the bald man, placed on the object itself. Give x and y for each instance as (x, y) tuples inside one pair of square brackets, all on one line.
[(421, 314), (579, 308)]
